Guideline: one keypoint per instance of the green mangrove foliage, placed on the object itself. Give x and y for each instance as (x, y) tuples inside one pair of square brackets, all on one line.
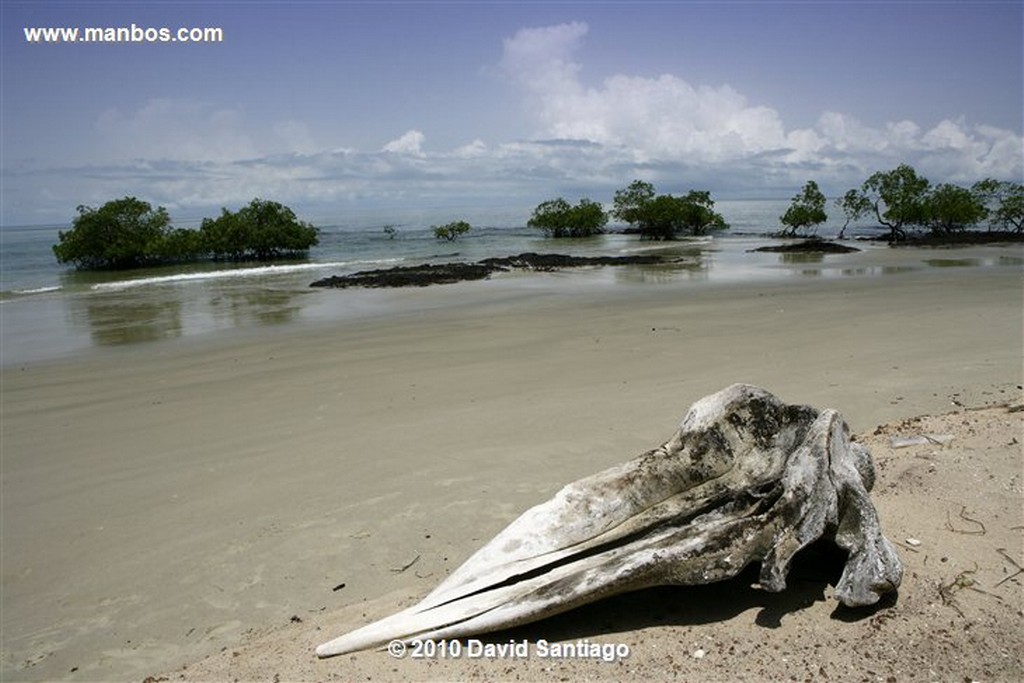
[(901, 200), (898, 199), (558, 218), (129, 233), (665, 217), (261, 231), (124, 233), (1004, 202), (854, 206), (951, 208), (807, 210), (451, 231)]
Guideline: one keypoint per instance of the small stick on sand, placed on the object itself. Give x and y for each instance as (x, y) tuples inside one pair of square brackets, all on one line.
[(1020, 570), (399, 570), (963, 516)]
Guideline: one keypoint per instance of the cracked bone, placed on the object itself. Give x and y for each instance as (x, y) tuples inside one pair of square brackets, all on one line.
[(745, 479)]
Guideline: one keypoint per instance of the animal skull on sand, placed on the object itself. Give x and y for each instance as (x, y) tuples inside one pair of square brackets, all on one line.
[(745, 479)]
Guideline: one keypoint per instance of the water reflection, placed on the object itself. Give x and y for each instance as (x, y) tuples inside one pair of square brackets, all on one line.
[(137, 314), (952, 262), (801, 257), (692, 264), (264, 306), (126, 318), (859, 271)]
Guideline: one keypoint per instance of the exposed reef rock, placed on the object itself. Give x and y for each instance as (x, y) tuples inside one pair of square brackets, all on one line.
[(409, 276), (447, 273), (809, 247), (746, 479), (533, 261)]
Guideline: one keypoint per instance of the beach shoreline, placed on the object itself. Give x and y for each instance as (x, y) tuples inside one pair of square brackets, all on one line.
[(165, 502), (91, 311)]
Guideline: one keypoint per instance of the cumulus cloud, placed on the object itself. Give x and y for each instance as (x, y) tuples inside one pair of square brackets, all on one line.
[(653, 117), (668, 121), (539, 57), (587, 140), (411, 142), (953, 149), (477, 148)]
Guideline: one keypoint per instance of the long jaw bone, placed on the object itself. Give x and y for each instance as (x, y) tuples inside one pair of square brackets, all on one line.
[(745, 479)]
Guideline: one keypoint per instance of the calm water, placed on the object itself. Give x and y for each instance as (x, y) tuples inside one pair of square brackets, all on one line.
[(49, 311)]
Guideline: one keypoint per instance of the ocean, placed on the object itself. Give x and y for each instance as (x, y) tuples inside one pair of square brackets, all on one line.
[(50, 311)]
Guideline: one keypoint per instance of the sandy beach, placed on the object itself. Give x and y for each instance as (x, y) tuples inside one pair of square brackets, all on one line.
[(214, 507)]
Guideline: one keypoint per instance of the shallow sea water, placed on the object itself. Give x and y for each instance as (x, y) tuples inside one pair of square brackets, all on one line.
[(48, 311)]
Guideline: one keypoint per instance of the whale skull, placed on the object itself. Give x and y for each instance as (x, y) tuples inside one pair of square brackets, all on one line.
[(745, 479)]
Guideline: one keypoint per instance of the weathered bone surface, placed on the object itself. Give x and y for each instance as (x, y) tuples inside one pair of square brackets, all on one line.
[(745, 479)]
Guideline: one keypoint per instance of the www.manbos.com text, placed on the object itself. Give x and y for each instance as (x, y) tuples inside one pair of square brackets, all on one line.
[(123, 34)]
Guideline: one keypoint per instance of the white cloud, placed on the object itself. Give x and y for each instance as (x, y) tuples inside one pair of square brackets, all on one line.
[(538, 57), (411, 142), (960, 153), (190, 156), (666, 120), (846, 134), (953, 150), (475, 149), (654, 117), (903, 134)]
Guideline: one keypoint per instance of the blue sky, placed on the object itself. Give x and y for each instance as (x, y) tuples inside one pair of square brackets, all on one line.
[(329, 106)]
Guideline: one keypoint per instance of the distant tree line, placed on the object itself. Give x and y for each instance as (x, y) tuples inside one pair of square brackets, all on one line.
[(902, 201), (129, 233), (899, 200), (653, 216)]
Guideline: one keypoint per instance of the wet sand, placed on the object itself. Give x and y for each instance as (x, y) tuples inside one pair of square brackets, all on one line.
[(175, 501)]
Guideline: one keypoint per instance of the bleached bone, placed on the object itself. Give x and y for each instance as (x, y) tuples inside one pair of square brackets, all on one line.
[(745, 479)]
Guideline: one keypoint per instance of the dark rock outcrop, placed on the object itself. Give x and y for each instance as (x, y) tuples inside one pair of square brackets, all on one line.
[(447, 273), (809, 247), (409, 276)]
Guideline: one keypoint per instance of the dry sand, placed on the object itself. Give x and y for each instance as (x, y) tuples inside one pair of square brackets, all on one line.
[(954, 510), (185, 510)]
